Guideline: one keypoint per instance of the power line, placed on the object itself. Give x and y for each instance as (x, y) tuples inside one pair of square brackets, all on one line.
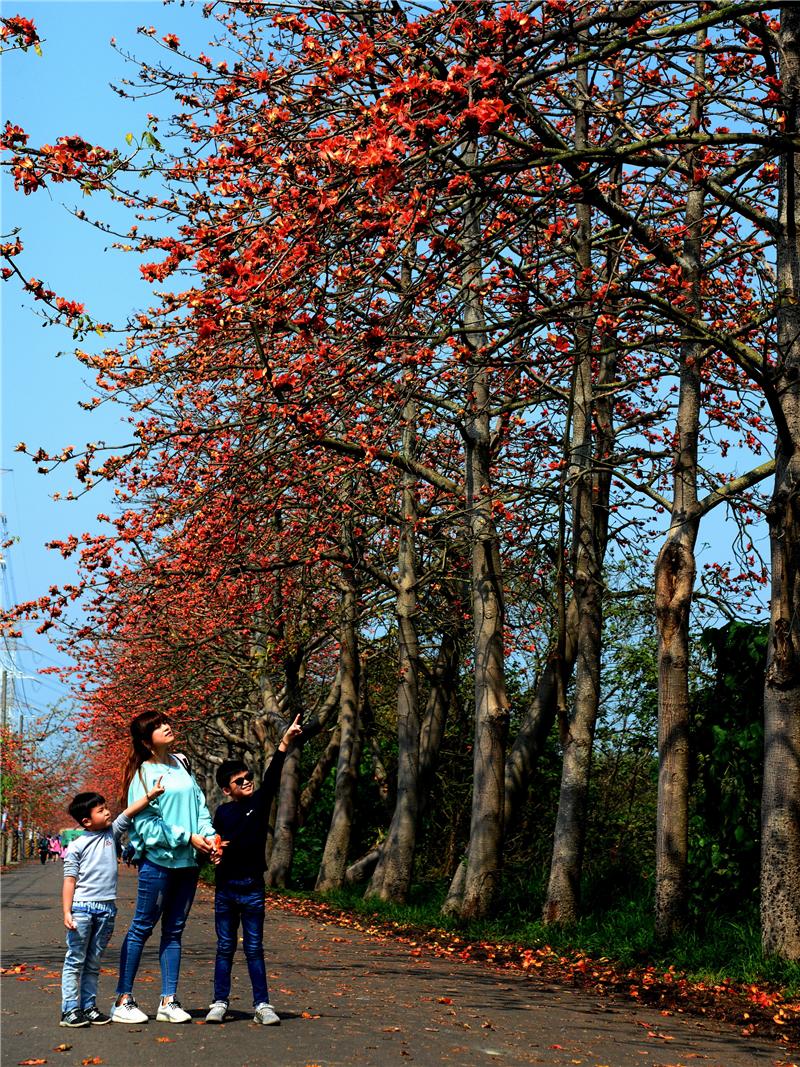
[(15, 692)]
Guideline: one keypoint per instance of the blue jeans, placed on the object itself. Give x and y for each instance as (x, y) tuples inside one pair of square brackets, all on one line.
[(236, 902), (166, 893), (85, 946)]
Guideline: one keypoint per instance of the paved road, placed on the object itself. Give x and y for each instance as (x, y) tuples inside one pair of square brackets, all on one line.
[(344, 999)]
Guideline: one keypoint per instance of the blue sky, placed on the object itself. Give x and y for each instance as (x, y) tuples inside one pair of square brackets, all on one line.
[(64, 91)]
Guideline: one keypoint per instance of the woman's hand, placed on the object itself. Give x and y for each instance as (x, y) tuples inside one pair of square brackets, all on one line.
[(203, 844), (294, 731), (156, 790), (69, 922)]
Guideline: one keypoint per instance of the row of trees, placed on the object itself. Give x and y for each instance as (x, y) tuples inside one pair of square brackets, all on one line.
[(38, 773), (459, 305)]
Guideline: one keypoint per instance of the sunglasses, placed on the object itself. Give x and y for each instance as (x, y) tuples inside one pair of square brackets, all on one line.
[(239, 782)]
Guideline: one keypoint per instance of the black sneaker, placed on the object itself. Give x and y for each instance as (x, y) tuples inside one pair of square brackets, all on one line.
[(95, 1016), (74, 1017)]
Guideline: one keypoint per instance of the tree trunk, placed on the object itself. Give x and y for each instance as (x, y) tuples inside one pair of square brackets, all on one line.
[(563, 890), (334, 857), (674, 586), (280, 863), (392, 877), (535, 729), (361, 869), (491, 702), (444, 676), (780, 811), (318, 776), (279, 868), (528, 746)]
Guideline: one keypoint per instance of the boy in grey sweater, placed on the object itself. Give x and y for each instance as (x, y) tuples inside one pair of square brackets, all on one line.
[(89, 900)]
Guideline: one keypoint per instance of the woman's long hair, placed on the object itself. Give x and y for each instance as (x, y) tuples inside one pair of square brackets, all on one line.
[(142, 728)]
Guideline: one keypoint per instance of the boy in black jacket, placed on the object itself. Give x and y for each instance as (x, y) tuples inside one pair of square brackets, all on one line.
[(242, 825)]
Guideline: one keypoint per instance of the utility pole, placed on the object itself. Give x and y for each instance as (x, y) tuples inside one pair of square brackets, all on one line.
[(24, 815), (6, 841), (5, 851)]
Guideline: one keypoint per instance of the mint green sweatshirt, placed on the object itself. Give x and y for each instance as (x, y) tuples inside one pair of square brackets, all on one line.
[(162, 832)]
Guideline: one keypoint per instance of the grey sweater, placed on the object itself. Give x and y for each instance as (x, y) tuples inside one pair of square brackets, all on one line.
[(91, 860)]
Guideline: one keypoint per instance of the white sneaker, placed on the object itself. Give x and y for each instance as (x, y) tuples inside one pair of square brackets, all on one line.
[(127, 1012), (266, 1015), (172, 1012), (217, 1011)]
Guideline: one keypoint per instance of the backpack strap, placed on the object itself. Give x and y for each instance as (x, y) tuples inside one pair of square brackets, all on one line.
[(184, 761)]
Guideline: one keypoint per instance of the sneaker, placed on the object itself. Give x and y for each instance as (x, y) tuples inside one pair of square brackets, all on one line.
[(95, 1016), (172, 1012), (128, 1012), (74, 1017), (266, 1015), (217, 1011)]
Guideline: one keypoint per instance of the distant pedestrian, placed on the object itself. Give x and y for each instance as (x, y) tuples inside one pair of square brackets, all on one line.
[(242, 824), (89, 901), (164, 840), (43, 846)]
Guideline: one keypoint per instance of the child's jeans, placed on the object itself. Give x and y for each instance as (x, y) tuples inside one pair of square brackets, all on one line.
[(236, 902), (166, 893), (85, 946)]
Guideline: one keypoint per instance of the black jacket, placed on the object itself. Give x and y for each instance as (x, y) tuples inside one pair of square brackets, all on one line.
[(245, 824)]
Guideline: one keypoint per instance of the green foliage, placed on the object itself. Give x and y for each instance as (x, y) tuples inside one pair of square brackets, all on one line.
[(310, 838), (619, 851), (444, 830), (620, 841), (727, 746)]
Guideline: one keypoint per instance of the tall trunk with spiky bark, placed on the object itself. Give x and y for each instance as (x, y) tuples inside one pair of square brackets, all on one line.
[(391, 879), (443, 679), (563, 891), (337, 843), (780, 811), (282, 854), (491, 701), (528, 746), (674, 586)]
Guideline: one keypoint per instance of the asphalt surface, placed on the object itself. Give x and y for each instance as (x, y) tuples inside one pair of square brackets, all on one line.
[(345, 998)]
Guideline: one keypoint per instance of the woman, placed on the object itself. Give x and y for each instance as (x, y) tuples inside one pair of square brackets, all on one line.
[(166, 838)]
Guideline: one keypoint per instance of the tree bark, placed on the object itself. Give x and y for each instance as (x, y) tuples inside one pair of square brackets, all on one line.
[(780, 810), (361, 869), (391, 879), (337, 843), (279, 868), (563, 890), (528, 745), (318, 776), (444, 676), (491, 701), (280, 862), (674, 584)]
